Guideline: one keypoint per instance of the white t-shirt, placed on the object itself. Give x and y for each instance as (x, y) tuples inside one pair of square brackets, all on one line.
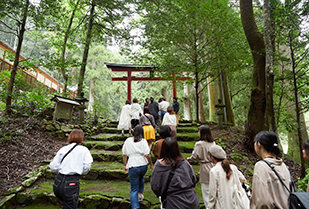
[(135, 111), (169, 119), (163, 106), (136, 152), (78, 161)]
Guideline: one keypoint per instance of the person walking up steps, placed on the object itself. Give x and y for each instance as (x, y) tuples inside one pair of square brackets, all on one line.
[(70, 162), (136, 112), (176, 109), (125, 119), (148, 123), (224, 182), (173, 178), (154, 111), (201, 153), (136, 148)]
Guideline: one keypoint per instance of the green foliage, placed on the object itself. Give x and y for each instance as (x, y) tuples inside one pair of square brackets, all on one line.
[(303, 183)]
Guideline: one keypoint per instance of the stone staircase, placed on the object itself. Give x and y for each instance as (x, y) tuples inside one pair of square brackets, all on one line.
[(106, 185)]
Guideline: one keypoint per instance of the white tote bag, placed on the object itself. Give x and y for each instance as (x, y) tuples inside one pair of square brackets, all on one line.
[(242, 199)]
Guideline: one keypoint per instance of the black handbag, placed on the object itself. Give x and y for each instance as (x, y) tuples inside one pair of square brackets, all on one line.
[(297, 200)]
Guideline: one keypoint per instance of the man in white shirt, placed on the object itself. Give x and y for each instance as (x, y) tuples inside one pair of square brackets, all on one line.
[(163, 107)]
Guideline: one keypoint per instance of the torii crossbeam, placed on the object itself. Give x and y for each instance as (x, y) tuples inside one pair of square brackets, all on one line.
[(128, 68)]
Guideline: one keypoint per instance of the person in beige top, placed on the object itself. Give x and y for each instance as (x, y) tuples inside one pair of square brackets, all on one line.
[(201, 153), (223, 178), (267, 190)]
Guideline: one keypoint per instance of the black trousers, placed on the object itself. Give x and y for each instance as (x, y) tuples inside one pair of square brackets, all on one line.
[(66, 189), (134, 122)]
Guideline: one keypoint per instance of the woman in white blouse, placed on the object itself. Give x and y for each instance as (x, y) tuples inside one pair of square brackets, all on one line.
[(137, 149), (171, 120), (70, 162)]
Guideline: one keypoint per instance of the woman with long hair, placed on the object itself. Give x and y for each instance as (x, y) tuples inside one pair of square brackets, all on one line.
[(267, 190), (201, 154), (136, 148), (170, 119), (148, 123), (70, 162), (223, 179), (173, 178)]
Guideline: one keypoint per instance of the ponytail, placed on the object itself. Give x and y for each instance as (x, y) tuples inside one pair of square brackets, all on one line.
[(227, 168)]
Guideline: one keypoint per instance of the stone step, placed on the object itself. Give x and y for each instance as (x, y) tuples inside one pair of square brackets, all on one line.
[(111, 171), (93, 194), (181, 136), (184, 146)]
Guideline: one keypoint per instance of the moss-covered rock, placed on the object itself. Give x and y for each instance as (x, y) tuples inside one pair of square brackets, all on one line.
[(96, 201), (22, 197), (13, 190), (50, 174), (29, 182), (6, 203)]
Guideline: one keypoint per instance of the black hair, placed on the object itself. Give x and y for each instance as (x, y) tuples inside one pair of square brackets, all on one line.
[(269, 140), (151, 99), (146, 99), (170, 152), (306, 146), (175, 98), (165, 131), (138, 133), (205, 133), (128, 102)]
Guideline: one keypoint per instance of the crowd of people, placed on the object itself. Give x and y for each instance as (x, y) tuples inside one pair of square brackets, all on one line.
[(173, 179)]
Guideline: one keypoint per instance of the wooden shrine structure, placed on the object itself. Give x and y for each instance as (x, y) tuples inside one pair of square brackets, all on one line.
[(128, 68)]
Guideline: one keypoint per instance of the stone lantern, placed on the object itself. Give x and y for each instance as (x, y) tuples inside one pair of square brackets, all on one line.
[(220, 112), (81, 100)]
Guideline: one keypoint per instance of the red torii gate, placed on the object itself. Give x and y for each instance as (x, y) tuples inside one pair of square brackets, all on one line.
[(135, 68)]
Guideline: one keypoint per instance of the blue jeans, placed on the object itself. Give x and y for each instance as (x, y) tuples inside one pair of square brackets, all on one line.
[(136, 176), (162, 115)]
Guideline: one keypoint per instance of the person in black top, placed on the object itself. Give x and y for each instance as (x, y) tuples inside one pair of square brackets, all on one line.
[(176, 108), (154, 110)]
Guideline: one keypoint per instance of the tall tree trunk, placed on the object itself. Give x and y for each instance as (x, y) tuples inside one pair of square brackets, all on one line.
[(187, 103), (91, 94), (16, 60), (86, 51), (269, 59), (213, 95), (293, 142), (65, 40), (230, 118), (196, 86), (298, 110), (256, 115), (200, 101)]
